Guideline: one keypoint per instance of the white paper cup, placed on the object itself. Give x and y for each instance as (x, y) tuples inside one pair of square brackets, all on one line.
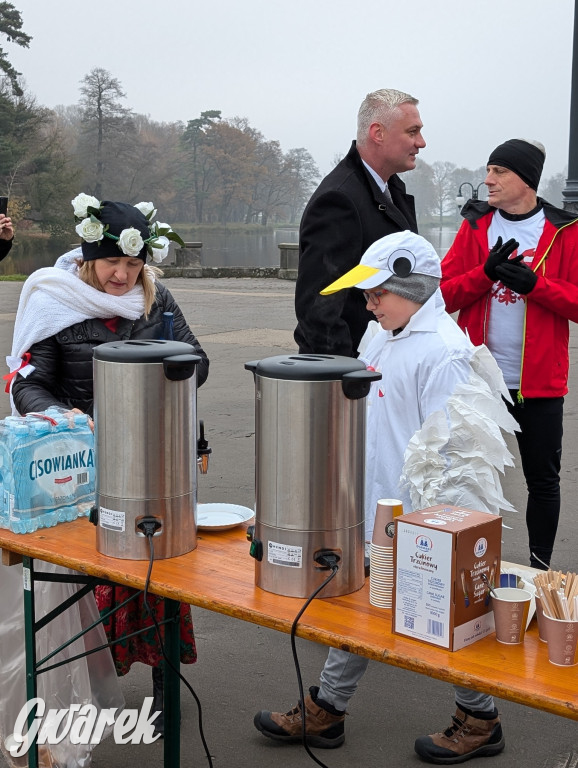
[(562, 641), (383, 527), (540, 620), (511, 606), (381, 576)]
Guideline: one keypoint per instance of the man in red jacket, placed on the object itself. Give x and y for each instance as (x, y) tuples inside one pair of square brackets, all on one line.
[(512, 272)]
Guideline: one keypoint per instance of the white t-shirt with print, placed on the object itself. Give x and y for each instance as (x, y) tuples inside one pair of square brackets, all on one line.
[(506, 315)]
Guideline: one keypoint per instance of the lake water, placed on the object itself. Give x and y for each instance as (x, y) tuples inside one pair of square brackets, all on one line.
[(229, 249)]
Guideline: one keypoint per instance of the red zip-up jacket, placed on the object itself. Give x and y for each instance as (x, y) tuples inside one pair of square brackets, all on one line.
[(548, 307)]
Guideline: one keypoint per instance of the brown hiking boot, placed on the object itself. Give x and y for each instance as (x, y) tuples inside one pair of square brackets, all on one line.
[(325, 724), (467, 737)]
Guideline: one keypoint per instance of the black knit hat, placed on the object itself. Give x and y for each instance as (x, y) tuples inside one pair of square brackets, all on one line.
[(118, 216), (525, 159)]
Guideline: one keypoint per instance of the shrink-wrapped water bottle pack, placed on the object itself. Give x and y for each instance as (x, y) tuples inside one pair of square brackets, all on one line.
[(47, 473)]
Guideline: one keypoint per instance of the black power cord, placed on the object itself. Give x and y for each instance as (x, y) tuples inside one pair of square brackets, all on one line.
[(149, 527), (326, 559)]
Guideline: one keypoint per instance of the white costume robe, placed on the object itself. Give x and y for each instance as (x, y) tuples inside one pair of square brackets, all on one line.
[(434, 420)]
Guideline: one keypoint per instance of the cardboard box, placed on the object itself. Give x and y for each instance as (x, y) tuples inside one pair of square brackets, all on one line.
[(440, 556)]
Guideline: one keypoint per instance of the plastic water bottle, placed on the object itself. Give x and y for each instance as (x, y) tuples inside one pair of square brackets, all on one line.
[(18, 439), (80, 420), (5, 465), (167, 333), (39, 516), (3, 513)]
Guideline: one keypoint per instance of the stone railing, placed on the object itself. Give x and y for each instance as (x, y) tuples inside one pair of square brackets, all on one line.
[(188, 263), (189, 256), (288, 260)]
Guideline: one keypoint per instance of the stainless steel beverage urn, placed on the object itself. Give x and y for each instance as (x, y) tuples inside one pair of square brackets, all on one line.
[(145, 401), (309, 472)]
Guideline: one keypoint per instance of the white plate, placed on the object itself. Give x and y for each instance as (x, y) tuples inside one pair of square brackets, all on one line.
[(219, 517)]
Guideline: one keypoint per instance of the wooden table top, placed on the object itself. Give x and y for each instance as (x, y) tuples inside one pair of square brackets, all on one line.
[(219, 575)]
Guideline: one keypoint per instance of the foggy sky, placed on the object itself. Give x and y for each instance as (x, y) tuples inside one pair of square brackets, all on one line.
[(298, 69)]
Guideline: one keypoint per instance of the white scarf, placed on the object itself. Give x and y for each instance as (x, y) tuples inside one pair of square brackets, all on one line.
[(54, 298)]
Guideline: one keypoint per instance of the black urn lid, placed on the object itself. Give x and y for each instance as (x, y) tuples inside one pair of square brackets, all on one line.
[(305, 367), (141, 350)]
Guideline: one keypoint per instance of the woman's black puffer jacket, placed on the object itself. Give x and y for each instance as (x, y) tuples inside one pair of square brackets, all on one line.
[(63, 362)]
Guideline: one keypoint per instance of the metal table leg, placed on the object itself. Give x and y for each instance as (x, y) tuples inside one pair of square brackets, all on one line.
[(172, 708), (30, 648), (172, 700)]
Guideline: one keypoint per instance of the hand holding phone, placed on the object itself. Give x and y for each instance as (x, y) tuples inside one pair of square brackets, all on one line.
[(6, 228)]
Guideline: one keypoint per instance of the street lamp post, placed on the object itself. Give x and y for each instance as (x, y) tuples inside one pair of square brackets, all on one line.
[(460, 199), (570, 192)]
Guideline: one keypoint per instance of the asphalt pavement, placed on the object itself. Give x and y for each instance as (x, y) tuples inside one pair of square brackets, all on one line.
[(242, 667)]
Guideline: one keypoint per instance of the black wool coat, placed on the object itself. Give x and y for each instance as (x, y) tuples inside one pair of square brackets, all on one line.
[(344, 216)]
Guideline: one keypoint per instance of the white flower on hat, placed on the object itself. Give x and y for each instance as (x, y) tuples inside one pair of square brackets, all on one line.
[(130, 242), (90, 230), (81, 203), (160, 249), (158, 243), (158, 228), (148, 210)]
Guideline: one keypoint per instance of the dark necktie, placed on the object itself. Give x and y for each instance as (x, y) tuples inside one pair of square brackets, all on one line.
[(387, 196), (393, 211)]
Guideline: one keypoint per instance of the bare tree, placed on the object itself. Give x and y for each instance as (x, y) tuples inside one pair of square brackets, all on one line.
[(419, 183), (303, 175), (551, 188), (443, 181), (51, 177), (104, 118)]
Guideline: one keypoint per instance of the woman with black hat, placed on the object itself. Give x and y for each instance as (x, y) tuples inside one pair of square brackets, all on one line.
[(103, 291)]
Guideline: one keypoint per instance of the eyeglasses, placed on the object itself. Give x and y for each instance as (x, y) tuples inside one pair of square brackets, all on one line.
[(374, 297)]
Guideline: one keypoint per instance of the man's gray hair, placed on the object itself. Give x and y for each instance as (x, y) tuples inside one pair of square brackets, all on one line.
[(379, 107)]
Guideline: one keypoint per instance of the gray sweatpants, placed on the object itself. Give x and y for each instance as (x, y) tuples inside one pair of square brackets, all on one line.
[(343, 671)]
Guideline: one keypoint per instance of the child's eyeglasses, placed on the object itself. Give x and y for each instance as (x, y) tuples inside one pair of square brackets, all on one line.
[(374, 297)]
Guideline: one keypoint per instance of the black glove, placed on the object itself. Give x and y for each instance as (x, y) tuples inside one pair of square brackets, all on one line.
[(498, 255), (516, 276)]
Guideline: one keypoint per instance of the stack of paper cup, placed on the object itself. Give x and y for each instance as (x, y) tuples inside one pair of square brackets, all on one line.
[(381, 553)]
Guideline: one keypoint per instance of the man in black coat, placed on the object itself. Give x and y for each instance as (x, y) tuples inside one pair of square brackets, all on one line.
[(360, 201)]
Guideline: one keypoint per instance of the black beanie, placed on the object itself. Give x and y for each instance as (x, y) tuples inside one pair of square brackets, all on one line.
[(118, 216), (523, 158)]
